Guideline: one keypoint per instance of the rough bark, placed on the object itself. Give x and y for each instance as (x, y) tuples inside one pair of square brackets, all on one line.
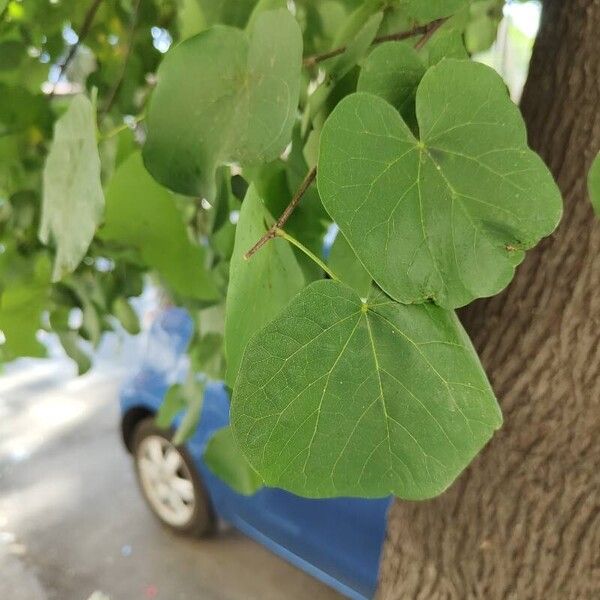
[(523, 522)]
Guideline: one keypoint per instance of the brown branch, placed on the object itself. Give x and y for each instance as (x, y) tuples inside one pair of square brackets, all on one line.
[(82, 34), (425, 30), (112, 96), (435, 25), (287, 213)]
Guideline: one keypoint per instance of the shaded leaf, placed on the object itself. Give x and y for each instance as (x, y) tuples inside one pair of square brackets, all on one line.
[(340, 398), (447, 216), (73, 198), (423, 11), (70, 343), (260, 287), (174, 402), (345, 264), (142, 214), (225, 460), (393, 71), (245, 115), (126, 315), (21, 305)]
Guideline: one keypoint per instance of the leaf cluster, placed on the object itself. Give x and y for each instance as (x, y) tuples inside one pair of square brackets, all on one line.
[(336, 334)]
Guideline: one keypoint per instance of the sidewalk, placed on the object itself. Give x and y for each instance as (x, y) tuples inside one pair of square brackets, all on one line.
[(16, 581)]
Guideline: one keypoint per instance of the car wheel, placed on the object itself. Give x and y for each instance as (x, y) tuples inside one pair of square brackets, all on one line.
[(169, 481)]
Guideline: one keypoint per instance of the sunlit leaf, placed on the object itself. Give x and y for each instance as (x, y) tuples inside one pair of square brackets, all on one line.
[(337, 397), (73, 197)]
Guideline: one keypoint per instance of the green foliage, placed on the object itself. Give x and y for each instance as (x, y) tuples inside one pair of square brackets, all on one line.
[(337, 397), (258, 288), (245, 115), (226, 460), (446, 216), (421, 163), (73, 197), (143, 215), (594, 184)]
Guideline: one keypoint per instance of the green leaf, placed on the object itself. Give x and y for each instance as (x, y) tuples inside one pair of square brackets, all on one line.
[(447, 216), (356, 48), (227, 12), (12, 53), (429, 10), (21, 305), (142, 214), (206, 355), (126, 315), (187, 397), (594, 184), (190, 419), (340, 398), (244, 95), (173, 403), (260, 287), (347, 267), (393, 71), (225, 460), (73, 199), (70, 343)]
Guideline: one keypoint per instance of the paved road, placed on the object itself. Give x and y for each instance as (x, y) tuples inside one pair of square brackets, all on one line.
[(72, 522)]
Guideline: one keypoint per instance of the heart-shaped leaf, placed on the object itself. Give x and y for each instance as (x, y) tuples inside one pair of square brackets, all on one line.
[(393, 71), (235, 100), (447, 216), (336, 397)]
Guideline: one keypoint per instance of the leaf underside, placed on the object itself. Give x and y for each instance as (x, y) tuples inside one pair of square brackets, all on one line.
[(340, 398), (73, 197), (245, 115)]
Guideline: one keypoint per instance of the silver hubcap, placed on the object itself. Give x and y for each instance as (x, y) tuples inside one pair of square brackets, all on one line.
[(166, 480)]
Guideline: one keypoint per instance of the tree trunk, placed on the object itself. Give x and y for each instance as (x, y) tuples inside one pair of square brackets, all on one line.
[(523, 522)]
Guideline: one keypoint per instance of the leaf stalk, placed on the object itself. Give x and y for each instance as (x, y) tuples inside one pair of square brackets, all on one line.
[(287, 213), (292, 240)]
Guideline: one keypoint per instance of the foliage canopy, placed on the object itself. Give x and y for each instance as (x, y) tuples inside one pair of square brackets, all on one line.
[(350, 373)]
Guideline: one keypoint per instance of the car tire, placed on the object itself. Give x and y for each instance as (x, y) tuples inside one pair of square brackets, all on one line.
[(170, 483)]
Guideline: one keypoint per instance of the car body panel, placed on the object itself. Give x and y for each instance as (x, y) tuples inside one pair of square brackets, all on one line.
[(336, 540)]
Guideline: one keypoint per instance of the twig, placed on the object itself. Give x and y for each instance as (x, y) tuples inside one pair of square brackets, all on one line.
[(435, 25), (287, 213), (425, 30), (83, 32), (292, 240), (112, 96)]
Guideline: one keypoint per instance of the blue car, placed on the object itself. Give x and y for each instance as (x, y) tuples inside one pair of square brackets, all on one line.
[(338, 540)]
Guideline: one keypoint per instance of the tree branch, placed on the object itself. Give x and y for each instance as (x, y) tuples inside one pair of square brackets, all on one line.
[(287, 213), (112, 96), (426, 31), (434, 26), (82, 34)]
